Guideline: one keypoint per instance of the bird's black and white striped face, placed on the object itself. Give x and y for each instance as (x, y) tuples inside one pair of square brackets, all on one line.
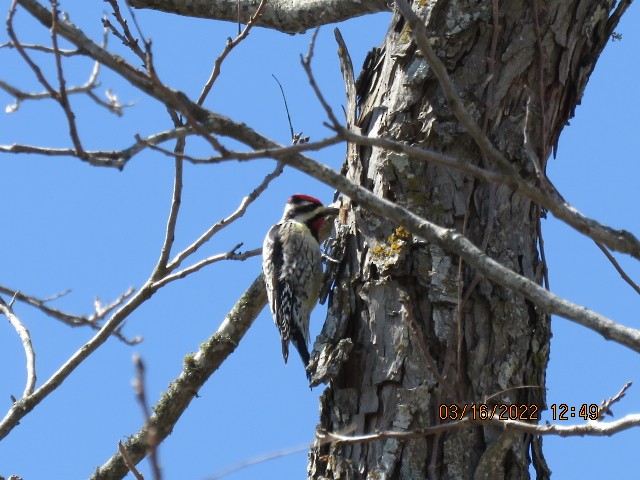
[(308, 211), (301, 208)]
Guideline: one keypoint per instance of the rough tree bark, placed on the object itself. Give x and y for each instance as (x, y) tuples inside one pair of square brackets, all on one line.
[(487, 344)]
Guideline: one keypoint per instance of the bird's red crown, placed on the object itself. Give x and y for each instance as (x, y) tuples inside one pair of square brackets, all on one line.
[(300, 197)]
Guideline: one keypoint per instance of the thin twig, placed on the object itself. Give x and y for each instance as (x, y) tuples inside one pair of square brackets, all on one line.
[(238, 213), (286, 107), (112, 104), (238, 12), (276, 151), (21, 408), (257, 460), (127, 460), (152, 440), (605, 406), (595, 429), (165, 151), (231, 44), (72, 320), (618, 268), (306, 65), (230, 255), (62, 97), (179, 102), (126, 37), (21, 51), (135, 22), (102, 158), (504, 391), (176, 200), (25, 338), (42, 48)]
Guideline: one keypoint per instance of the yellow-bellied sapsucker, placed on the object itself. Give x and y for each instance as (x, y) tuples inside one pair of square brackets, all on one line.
[(292, 267)]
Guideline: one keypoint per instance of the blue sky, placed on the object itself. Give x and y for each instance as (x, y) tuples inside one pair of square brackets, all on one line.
[(98, 232)]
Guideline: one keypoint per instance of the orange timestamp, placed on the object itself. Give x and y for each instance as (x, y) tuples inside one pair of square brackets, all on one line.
[(586, 411), (482, 411)]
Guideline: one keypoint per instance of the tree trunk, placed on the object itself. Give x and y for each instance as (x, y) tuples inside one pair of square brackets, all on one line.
[(426, 330)]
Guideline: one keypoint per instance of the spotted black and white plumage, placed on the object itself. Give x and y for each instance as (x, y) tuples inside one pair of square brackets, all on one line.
[(292, 267)]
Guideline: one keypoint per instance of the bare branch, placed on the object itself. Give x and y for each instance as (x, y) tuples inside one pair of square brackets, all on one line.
[(41, 48), (18, 46), (306, 64), (127, 39), (230, 255), (61, 96), (72, 320), (274, 151), (176, 200), (112, 103), (231, 44), (98, 158), (425, 154), (152, 432), (25, 337), (592, 429), (605, 406), (238, 213), (130, 465), (618, 268), (283, 15), (23, 406), (286, 108), (196, 371), (257, 460)]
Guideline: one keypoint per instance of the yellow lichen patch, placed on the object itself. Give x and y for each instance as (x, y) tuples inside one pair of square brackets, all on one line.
[(387, 254), (405, 34), (400, 233)]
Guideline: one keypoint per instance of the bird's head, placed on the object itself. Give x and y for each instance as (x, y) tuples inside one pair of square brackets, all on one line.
[(309, 211)]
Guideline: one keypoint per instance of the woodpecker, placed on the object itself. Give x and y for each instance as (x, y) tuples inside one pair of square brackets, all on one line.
[(292, 267)]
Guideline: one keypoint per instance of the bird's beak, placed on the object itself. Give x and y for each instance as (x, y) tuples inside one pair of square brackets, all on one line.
[(330, 211), (327, 227)]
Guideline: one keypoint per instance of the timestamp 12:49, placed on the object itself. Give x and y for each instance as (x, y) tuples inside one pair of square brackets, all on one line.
[(586, 411)]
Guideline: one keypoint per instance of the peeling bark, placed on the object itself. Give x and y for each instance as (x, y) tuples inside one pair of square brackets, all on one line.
[(493, 56)]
